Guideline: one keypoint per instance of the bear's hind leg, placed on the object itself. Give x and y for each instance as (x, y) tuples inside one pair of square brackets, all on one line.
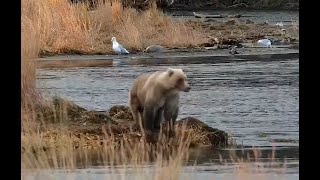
[(135, 110), (170, 116)]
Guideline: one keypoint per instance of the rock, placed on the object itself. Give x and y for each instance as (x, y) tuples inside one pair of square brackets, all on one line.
[(201, 133), (155, 48)]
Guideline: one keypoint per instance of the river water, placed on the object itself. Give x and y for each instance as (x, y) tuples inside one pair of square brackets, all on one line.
[(255, 101)]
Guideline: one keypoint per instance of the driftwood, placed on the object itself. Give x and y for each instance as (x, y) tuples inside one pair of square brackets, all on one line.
[(197, 15)]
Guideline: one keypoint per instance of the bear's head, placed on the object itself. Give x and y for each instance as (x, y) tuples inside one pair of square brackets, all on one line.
[(176, 79)]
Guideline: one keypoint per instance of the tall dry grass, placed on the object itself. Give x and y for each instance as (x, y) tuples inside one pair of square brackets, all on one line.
[(30, 46), (72, 28)]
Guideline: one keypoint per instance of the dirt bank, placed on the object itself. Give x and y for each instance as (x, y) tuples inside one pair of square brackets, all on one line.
[(205, 4), (90, 129), (232, 31), (219, 35), (232, 4)]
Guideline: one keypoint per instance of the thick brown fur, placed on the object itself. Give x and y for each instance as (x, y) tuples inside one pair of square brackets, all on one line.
[(156, 95)]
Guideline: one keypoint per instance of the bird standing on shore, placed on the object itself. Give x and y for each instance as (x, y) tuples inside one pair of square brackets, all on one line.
[(118, 48), (264, 43)]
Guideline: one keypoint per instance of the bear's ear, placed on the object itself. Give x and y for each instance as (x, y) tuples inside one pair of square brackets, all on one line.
[(170, 72)]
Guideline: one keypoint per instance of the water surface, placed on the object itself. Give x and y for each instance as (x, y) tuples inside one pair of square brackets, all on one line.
[(255, 101)]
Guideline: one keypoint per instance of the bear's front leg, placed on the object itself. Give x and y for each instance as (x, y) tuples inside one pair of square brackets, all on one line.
[(171, 111), (149, 117), (150, 131), (171, 116)]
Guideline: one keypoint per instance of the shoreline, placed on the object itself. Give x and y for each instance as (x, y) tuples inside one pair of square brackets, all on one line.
[(209, 56)]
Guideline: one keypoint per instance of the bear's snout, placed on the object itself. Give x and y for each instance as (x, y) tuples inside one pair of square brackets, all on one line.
[(187, 89)]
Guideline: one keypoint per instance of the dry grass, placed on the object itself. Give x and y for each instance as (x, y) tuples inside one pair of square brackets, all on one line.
[(66, 28), (30, 47)]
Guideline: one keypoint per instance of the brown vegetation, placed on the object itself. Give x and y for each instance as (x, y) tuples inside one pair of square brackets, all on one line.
[(72, 28), (65, 28)]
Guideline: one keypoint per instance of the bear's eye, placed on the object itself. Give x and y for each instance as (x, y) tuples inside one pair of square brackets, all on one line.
[(180, 80)]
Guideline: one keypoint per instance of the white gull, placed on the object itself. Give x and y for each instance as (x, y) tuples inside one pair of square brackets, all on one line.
[(118, 48), (264, 43)]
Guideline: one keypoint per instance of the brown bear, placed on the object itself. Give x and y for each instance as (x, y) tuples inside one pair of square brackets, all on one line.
[(156, 95)]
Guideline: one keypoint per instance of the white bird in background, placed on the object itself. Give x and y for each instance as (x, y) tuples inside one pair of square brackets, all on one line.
[(118, 48), (264, 43), (280, 24)]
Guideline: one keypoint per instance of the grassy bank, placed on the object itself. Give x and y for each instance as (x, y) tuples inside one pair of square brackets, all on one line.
[(64, 28), (72, 28)]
